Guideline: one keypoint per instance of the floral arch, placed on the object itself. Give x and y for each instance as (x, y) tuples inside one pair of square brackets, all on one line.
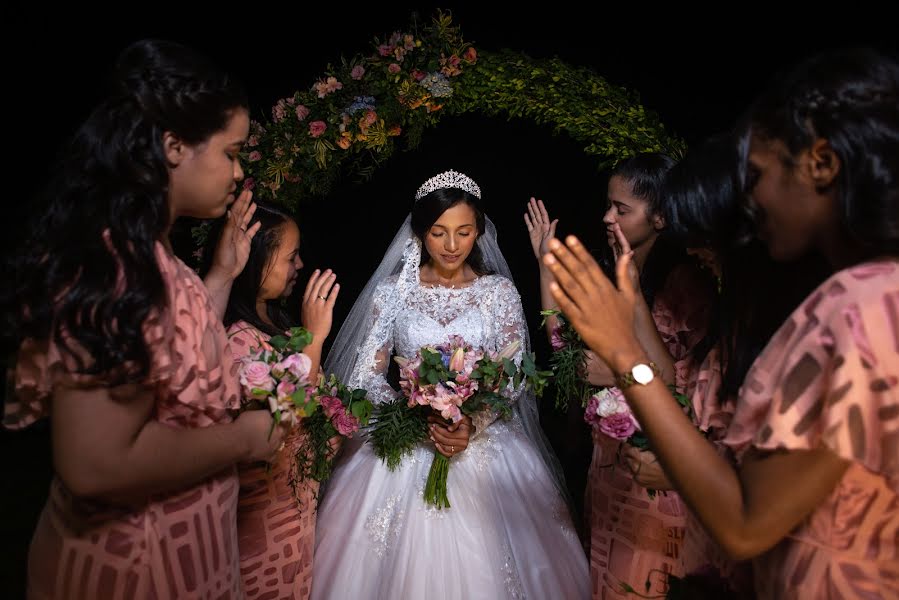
[(362, 110)]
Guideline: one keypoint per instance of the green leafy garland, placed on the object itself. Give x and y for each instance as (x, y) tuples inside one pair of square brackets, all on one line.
[(356, 115)]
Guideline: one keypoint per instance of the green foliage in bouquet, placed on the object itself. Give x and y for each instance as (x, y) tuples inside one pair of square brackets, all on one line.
[(396, 429), (569, 364)]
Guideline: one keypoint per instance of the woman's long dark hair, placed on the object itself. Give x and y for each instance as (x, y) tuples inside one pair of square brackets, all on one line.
[(851, 99), (87, 278), (428, 209), (245, 290), (705, 208)]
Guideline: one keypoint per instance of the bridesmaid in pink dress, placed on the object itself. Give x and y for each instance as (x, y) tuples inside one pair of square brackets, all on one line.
[(276, 512), (635, 538), (814, 498), (122, 346)]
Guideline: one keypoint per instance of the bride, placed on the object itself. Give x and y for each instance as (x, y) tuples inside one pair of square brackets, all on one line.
[(508, 533)]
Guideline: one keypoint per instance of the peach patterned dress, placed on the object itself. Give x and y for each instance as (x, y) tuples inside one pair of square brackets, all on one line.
[(275, 526), (634, 538), (178, 545), (699, 553), (830, 378)]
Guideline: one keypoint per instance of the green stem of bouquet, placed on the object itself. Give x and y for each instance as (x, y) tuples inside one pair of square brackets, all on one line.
[(435, 488)]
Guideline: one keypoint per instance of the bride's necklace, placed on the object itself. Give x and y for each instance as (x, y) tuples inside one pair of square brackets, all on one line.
[(451, 285)]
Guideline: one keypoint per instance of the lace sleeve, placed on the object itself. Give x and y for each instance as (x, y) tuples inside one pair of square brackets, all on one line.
[(374, 355), (507, 317)]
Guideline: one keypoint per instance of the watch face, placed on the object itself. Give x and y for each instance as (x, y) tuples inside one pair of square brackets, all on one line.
[(642, 374)]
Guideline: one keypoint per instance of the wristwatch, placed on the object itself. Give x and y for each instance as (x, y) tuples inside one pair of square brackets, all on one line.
[(641, 373)]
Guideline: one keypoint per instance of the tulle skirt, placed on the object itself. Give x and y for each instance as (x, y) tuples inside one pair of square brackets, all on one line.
[(507, 534)]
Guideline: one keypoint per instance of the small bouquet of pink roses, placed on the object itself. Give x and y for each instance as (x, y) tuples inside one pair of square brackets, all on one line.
[(450, 379), (608, 412), (276, 376)]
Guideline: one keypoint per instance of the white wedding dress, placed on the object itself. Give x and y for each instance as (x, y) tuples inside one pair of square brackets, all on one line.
[(508, 533)]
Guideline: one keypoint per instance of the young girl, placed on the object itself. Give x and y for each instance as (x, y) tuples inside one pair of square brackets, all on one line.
[(276, 512), (122, 346), (814, 499)]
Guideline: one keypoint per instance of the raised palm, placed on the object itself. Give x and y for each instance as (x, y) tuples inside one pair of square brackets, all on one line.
[(540, 228)]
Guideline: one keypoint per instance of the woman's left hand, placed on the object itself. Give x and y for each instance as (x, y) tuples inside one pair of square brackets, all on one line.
[(602, 314), (645, 468), (233, 247), (450, 439)]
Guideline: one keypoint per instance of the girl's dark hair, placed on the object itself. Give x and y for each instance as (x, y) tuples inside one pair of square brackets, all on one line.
[(245, 289), (851, 99), (428, 209), (645, 173), (88, 278), (705, 207), (704, 202)]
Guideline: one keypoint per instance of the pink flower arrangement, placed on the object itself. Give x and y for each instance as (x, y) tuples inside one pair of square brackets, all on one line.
[(317, 128), (556, 340), (327, 86), (276, 376), (302, 112), (357, 72), (607, 410)]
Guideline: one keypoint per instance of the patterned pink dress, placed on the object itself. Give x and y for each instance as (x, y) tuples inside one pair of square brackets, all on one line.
[(699, 553), (275, 528), (179, 545), (635, 539), (830, 377)]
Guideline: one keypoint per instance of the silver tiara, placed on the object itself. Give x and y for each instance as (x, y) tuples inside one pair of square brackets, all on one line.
[(449, 179)]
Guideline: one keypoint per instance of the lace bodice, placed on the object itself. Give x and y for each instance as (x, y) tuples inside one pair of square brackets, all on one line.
[(486, 314)]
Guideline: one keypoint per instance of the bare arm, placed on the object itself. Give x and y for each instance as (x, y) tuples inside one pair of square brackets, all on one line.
[(540, 230), (746, 511), (107, 446), (231, 252), (644, 325), (317, 314)]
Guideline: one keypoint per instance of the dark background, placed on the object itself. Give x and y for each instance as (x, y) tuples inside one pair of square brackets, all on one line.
[(697, 70)]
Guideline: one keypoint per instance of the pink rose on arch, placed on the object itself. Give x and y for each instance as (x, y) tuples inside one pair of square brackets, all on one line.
[(345, 424), (252, 141), (385, 50), (471, 55), (331, 406), (418, 75), (255, 155), (619, 426), (302, 112), (317, 128), (394, 68), (357, 72), (249, 184), (278, 111), (256, 375)]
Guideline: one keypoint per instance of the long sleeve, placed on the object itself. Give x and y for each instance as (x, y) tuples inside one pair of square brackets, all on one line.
[(507, 316), (374, 355)]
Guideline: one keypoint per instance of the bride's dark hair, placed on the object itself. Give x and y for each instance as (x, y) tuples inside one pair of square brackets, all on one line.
[(428, 209)]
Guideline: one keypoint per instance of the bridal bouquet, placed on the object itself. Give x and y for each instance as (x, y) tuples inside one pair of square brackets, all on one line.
[(275, 376), (450, 379)]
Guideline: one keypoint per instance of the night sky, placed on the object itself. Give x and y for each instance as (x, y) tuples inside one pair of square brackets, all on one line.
[(697, 78)]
